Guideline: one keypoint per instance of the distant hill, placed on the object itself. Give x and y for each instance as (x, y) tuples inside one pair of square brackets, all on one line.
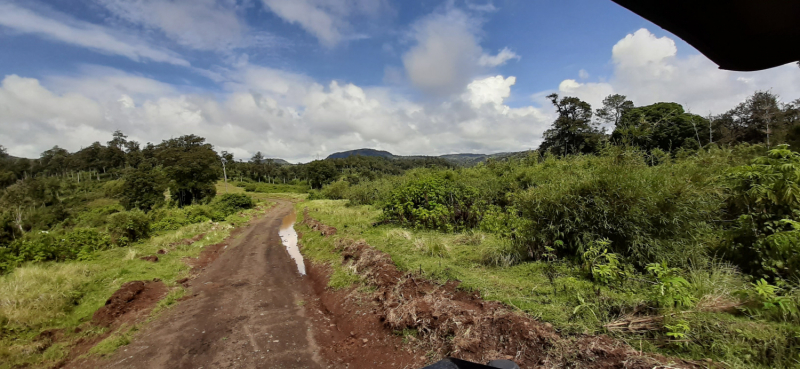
[(466, 160), (361, 152), (280, 161)]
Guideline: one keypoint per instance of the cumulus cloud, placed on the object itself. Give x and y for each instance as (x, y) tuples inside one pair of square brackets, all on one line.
[(83, 34), (282, 114), (328, 20), (648, 70), (444, 59), (501, 58), (197, 24), (34, 119)]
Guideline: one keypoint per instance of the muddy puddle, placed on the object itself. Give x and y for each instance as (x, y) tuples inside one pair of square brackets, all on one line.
[(289, 239)]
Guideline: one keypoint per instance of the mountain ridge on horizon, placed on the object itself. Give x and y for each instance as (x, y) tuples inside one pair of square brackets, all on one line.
[(467, 159)]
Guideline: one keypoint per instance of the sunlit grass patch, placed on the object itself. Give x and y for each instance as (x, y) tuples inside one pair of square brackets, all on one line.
[(35, 294)]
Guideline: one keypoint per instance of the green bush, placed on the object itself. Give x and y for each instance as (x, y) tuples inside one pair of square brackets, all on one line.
[(128, 226), (648, 213), (434, 202), (230, 203), (764, 206), (78, 243), (336, 191)]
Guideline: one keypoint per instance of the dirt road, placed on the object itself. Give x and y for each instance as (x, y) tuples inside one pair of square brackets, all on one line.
[(247, 312)]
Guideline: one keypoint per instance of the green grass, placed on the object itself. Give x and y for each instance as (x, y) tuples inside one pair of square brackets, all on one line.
[(557, 293)]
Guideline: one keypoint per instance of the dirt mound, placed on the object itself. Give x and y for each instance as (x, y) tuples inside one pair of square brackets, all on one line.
[(323, 229), (151, 258), (132, 297), (455, 323)]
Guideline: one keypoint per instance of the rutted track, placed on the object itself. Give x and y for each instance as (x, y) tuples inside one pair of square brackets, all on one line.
[(244, 311)]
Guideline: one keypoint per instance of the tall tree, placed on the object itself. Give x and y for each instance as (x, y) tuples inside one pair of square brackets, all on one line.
[(192, 167), (320, 173), (143, 188), (665, 126), (614, 107), (573, 131), (752, 121)]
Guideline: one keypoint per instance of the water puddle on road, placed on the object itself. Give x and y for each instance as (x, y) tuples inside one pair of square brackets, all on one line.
[(289, 239)]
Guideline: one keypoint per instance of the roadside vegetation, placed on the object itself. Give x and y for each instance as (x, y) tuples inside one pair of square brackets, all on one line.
[(676, 233)]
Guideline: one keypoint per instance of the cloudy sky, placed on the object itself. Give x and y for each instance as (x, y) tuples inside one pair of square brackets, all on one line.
[(297, 79)]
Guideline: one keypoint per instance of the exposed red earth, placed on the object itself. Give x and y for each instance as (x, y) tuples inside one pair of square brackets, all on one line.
[(248, 307)]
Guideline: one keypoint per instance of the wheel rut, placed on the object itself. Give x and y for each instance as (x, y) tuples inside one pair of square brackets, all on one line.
[(245, 311)]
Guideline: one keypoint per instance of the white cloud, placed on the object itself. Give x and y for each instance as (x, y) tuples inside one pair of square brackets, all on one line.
[(198, 24), (593, 93), (282, 114), (501, 58), (491, 90), (487, 7), (648, 70), (444, 59), (583, 74), (83, 34), (33, 119), (328, 20)]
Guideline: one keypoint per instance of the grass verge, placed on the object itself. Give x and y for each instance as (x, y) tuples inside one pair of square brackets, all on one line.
[(560, 293)]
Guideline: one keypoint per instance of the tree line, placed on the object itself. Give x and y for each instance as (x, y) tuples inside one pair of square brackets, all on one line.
[(667, 127)]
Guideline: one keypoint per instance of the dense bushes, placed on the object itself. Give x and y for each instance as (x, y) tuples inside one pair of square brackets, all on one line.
[(764, 206), (230, 203), (128, 226), (434, 202), (649, 213), (650, 206), (78, 243)]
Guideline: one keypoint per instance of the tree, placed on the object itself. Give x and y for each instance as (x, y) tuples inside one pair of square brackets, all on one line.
[(665, 126), (16, 198), (54, 160), (320, 173), (258, 158), (191, 166), (751, 121), (144, 188), (614, 107), (573, 131)]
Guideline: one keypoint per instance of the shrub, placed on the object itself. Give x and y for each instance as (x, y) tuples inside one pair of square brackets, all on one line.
[(336, 190), (128, 226), (434, 202), (167, 219), (764, 205), (648, 213), (230, 203), (78, 243)]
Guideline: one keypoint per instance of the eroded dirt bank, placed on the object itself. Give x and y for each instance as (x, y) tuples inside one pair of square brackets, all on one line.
[(451, 322)]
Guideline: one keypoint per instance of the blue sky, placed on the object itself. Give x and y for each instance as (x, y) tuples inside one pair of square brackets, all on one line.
[(301, 78)]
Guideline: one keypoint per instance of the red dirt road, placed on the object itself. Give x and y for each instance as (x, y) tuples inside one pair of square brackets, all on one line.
[(246, 311)]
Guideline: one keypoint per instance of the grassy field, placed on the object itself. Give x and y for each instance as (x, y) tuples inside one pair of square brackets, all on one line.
[(64, 295), (559, 293)]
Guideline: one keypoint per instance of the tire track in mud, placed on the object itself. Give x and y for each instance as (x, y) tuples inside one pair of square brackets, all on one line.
[(243, 311)]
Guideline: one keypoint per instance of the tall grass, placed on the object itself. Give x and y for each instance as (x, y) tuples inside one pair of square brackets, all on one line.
[(35, 294)]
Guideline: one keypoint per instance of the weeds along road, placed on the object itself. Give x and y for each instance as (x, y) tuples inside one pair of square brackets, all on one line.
[(246, 311)]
